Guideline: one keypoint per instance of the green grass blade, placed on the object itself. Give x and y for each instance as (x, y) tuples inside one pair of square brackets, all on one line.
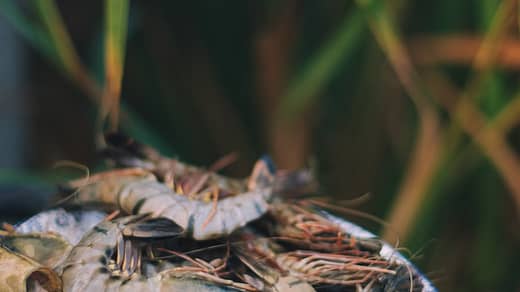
[(59, 37), (63, 48), (116, 22), (305, 87), (9, 176), (36, 37)]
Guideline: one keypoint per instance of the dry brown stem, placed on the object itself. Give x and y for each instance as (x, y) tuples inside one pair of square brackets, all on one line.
[(461, 50), (288, 139)]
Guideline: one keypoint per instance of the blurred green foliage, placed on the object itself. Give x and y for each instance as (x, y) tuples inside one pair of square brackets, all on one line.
[(356, 84)]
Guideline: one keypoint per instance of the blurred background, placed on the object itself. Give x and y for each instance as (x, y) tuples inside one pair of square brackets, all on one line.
[(415, 102)]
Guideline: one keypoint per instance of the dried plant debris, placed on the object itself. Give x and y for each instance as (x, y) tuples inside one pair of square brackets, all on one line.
[(137, 191), (48, 249), (70, 225), (175, 226), (21, 273), (308, 229)]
